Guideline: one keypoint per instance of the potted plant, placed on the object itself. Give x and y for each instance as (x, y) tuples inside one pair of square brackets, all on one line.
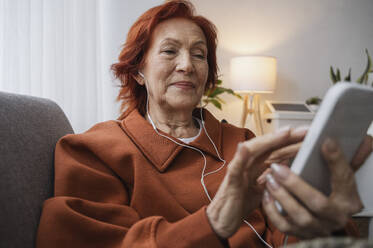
[(314, 103), (363, 79), (335, 76), (213, 95)]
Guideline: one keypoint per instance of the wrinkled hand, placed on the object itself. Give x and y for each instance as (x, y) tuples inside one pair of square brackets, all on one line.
[(285, 154), (242, 187), (317, 214), (365, 149)]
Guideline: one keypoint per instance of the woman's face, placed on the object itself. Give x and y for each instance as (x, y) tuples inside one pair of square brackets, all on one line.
[(175, 66)]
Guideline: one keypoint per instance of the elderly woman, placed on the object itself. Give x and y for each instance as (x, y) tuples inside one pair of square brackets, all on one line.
[(168, 174)]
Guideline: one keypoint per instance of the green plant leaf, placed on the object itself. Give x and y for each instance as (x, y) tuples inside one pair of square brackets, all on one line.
[(348, 77), (338, 77), (215, 102), (220, 100), (364, 77), (212, 95), (231, 92), (209, 99), (207, 92), (313, 100), (332, 75), (217, 91), (237, 95)]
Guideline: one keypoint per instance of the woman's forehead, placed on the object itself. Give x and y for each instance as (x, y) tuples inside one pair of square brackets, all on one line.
[(177, 30)]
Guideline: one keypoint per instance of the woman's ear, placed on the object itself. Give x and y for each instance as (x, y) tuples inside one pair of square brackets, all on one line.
[(139, 77)]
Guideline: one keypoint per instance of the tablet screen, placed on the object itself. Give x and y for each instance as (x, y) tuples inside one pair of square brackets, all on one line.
[(290, 107)]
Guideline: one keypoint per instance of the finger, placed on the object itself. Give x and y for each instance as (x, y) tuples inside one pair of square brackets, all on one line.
[(286, 162), (313, 199), (281, 222), (297, 214), (297, 134), (276, 218), (317, 203), (267, 143), (284, 153), (341, 172), (333, 210), (365, 149), (344, 189), (239, 161), (262, 178), (294, 142), (248, 151)]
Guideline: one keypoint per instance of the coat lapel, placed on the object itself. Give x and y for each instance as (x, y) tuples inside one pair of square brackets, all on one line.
[(213, 128), (161, 151)]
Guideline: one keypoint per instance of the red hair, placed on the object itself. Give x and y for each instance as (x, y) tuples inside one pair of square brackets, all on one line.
[(133, 95)]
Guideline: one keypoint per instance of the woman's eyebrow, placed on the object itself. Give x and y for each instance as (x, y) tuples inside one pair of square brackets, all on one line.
[(198, 42), (170, 40)]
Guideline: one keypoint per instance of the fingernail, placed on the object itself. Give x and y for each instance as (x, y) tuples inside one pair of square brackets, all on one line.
[(239, 145), (272, 182), (330, 144), (266, 197), (242, 151), (261, 179), (281, 171), (284, 129), (280, 209), (301, 129)]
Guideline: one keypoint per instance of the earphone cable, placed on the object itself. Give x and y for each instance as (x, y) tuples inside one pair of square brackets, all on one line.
[(204, 159)]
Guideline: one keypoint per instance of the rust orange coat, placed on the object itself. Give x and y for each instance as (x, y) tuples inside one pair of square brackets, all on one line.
[(121, 185)]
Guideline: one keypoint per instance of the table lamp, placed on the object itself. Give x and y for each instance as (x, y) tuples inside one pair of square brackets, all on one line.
[(251, 75)]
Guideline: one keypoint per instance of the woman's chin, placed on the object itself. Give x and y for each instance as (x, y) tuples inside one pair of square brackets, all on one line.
[(186, 104)]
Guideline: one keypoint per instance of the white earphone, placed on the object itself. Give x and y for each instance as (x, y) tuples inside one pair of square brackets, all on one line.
[(203, 175), (142, 75)]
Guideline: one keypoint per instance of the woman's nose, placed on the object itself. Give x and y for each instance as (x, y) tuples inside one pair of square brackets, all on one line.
[(184, 63)]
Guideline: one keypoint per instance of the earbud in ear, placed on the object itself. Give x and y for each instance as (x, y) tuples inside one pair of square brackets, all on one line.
[(142, 75)]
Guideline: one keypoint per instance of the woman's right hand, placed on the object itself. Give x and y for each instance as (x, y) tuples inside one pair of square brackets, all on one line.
[(240, 193)]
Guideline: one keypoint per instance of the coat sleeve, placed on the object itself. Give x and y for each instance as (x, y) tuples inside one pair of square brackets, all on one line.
[(277, 238), (91, 208)]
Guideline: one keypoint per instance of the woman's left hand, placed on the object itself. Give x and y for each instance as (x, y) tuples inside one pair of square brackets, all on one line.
[(317, 215)]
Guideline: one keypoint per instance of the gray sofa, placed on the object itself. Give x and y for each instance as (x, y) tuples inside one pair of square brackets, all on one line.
[(29, 130)]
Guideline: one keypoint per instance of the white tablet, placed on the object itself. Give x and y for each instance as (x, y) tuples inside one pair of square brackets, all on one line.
[(344, 115)]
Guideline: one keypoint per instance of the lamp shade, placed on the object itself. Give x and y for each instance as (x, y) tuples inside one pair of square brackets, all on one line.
[(255, 74)]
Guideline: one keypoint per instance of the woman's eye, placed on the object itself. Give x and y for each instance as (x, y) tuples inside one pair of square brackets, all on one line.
[(169, 52), (200, 56)]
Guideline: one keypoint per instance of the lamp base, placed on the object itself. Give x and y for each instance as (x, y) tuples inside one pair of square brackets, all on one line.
[(253, 110)]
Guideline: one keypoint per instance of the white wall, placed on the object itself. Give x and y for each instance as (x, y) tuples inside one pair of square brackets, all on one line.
[(118, 16), (305, 36), (63, 50)]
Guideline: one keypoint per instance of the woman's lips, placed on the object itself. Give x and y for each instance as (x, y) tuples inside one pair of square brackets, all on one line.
[(184, 85)]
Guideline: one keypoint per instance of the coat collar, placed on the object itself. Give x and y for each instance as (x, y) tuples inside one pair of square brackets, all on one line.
[(161, 151)]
